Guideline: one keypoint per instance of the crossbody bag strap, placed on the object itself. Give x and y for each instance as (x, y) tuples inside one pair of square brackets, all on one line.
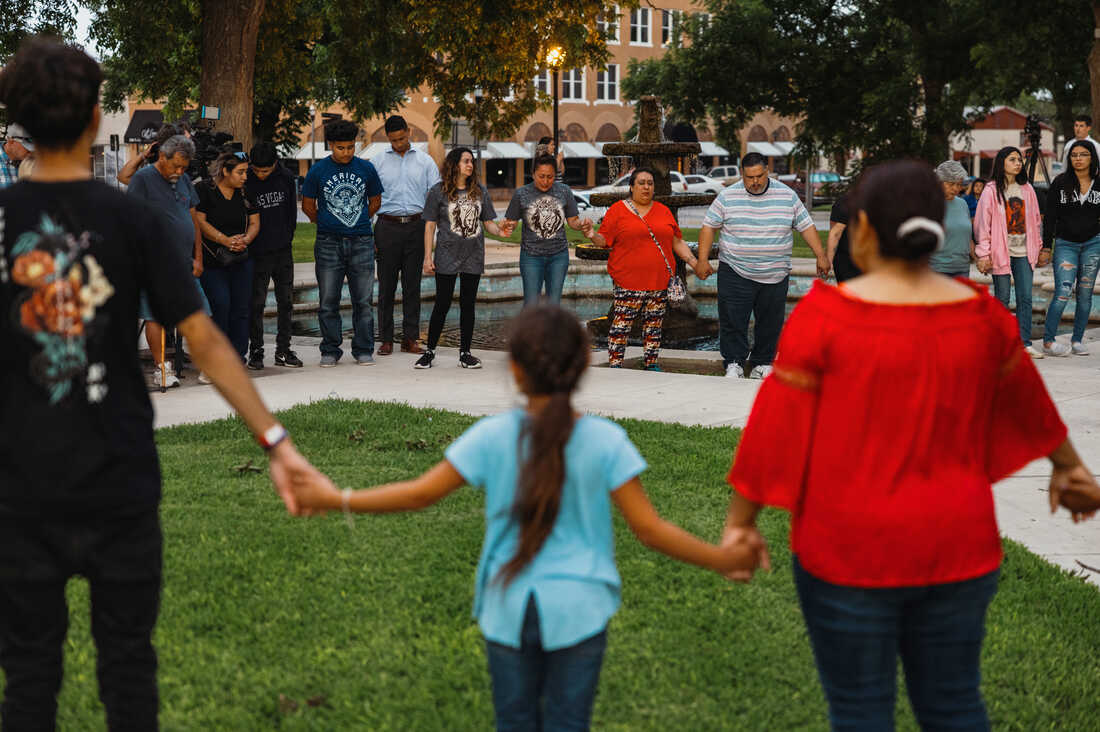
[(630, 205)]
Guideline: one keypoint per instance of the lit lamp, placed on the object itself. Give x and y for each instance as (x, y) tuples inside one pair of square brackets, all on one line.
[(555, 58)]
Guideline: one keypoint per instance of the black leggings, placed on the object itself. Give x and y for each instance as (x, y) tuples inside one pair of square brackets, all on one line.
[(467, 297)]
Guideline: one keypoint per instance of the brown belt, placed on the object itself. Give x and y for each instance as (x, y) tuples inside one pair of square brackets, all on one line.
[(399, 219)]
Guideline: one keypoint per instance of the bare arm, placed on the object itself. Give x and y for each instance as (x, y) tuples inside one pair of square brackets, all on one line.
[(683, 251), (253, 229), (374, 204), (126, 172), (836, 230), (409, 495), (309, 208), (669, 539), (208, 230), (824, 264), (1072, 485), (429, 240), (493, 228), (706, 241)]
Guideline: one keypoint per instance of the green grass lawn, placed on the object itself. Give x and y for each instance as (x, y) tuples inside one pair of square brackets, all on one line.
[(305, 233), (262, 612)]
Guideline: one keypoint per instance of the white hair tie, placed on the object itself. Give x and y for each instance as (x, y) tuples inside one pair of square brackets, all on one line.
[(920, 223)]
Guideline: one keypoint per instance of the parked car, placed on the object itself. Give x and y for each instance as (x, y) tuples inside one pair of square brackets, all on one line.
[(584, 205), (621, 185), (703, 184), (827, 185), (728, 174)]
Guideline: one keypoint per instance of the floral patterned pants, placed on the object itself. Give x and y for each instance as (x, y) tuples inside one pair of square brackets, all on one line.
[(624, 310)]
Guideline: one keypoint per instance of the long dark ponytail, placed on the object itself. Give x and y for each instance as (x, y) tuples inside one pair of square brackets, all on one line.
[(551, 347)]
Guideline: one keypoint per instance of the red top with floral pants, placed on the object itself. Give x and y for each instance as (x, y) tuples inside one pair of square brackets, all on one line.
[(882, 428), (635, 262)]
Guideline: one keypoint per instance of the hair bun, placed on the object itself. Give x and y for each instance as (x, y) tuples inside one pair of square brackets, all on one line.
[(918, 243)]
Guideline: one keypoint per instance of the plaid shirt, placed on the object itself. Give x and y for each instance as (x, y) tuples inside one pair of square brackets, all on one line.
[(8, 172)]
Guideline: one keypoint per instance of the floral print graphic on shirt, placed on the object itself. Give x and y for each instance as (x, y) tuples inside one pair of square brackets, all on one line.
[(65, 289)]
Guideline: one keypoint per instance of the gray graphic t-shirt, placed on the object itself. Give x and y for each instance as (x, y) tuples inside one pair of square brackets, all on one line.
[(543, 215), (459, 235)]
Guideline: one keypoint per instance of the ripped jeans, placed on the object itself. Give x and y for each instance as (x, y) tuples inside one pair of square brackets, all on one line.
[(1075, 265)]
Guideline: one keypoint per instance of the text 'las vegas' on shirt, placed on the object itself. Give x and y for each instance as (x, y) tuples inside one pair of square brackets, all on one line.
[(756, 230), (343, 193)]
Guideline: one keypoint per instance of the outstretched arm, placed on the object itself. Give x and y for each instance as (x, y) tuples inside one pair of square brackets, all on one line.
[(410, 495), (1071, 484)]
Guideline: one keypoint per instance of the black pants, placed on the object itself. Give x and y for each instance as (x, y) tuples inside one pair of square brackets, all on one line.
[(400, 250), (277, 266), (467, 298), (740, 297), (121, 557)]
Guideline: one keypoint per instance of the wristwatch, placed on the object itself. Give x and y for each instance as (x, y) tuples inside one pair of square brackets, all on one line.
[(272, 436)]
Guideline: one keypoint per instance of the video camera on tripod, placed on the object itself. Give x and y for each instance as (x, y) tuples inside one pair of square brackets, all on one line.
[(1033, 156)]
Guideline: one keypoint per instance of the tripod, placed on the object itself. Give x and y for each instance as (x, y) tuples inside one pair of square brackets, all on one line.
[(1033, 157)]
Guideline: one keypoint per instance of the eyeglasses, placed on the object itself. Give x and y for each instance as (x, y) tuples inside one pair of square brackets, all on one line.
[(1080, 155)]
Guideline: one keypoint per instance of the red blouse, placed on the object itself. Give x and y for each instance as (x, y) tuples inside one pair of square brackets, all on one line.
[(634, 262), (882, 428)]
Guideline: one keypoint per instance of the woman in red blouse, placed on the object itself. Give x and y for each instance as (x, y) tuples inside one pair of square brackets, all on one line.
[(642, 235), (896, 401)]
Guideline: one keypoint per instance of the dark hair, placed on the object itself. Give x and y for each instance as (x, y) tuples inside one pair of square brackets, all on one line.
[(449, 176), (545, 160), (395, 123), (998, 174), (976, 181), (545, 140), (642, 169), (264, 154), (1067, 179), (551, 347), (753, 159), (225, 163), (51, 88), (341, 130), (1083, 118), (892, 193)]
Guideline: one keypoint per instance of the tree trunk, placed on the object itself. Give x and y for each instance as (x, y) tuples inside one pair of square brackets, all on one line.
[(1094, 62), (937, 142), (229, 32), (1063, 114)]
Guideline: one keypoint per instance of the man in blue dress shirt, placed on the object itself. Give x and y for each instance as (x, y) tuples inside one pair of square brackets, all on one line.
[(407, 175)]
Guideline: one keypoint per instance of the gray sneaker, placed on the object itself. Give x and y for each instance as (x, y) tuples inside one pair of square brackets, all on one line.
[(1079, 349), (1056, 349), (328, 361), (364, 360)]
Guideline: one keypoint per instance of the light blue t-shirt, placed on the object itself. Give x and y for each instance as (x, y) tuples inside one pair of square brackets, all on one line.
[(953, 257), (573, 577), (342, 193)]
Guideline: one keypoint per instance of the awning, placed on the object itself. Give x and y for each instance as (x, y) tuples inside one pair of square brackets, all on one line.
[(580, 150), (766, 149), (319, 151), (143, 127), (712, 149), (508, 150), (377, 148), (786, 148)]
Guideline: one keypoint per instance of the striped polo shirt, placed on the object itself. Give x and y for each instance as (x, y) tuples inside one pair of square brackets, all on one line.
[(756, 236)]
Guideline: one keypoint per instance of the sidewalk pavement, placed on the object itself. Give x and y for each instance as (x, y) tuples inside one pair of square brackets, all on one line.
[(1022, 512)]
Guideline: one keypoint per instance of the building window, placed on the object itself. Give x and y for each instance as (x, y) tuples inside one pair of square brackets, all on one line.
[(542, 82), (607, 84), (610, 28), (572, 85), (639, 27), (670, 19)]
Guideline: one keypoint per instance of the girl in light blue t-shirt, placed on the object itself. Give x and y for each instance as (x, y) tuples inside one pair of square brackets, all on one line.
[(546, 583)]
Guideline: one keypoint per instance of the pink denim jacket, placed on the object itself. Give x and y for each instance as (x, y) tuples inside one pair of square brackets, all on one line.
[(991, 229)]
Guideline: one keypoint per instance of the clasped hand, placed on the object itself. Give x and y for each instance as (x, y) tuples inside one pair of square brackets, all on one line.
[(746, 551)]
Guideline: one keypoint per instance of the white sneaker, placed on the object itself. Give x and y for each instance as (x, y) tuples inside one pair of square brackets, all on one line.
[(734, 371), (760, 372), (169, 378), (204, 379), (1056, 349), (1079, 349), (1033, 351)]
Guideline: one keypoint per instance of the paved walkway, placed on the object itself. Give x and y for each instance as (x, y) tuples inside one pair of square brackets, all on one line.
[(666, 397)]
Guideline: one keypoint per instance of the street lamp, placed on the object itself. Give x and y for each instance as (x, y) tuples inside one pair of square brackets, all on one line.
[(555, 58), (477, 120)]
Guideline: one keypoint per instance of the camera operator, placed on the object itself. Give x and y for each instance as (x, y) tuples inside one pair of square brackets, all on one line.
[(168, 190), (149, 155)]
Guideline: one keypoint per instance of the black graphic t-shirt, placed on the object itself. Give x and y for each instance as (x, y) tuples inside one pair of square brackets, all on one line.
[(227, 215), (459, 234), (76, 424), (544, 215)]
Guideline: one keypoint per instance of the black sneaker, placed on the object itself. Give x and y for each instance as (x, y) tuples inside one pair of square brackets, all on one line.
[(425, 360), (289, 359), (256, 361), (469, 361)]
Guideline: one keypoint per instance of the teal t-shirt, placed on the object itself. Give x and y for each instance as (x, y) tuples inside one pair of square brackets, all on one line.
[(954, 256), (573, 577)]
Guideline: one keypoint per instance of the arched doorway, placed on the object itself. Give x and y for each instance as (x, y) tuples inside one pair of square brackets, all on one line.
[(575, 133), (608, 133), (536, 132)]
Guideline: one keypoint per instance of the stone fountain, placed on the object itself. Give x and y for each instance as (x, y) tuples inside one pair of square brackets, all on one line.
[(650, 149)]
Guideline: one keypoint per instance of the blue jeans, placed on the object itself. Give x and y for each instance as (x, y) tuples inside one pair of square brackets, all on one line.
[(857, 634), (1075, 265), (544, 691), (535, 270), (336, 258), (1022, 276), (229, 291), (740, 297)]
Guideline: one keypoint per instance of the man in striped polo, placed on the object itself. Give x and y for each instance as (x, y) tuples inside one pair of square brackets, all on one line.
[(756, 217)]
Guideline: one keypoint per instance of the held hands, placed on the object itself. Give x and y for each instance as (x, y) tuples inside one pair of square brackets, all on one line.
[(823, 266), (506, 228), (745, 551), (702, 269), (1075, 489), (429, 265), (1044, 258), (303, 488), (985, 264), (588, 228)]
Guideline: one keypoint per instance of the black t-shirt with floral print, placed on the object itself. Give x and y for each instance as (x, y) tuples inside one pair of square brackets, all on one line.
[(76, 423)]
